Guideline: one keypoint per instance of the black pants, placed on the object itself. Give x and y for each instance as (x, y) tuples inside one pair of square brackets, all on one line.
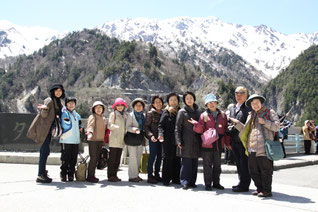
[(189, 171), (113, 161), (307, 144), (261, 170), (211, 167), (171, 169), (241, 161), (69, 154), (94, 148)]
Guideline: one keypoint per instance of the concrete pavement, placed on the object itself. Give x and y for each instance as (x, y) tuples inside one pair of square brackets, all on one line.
[(19, 192)]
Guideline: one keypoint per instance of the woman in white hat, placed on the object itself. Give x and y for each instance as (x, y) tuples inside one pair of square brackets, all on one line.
[(96, 125), (261, 123)]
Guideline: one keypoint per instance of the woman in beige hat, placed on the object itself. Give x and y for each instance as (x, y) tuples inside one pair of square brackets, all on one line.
[(261, 123)]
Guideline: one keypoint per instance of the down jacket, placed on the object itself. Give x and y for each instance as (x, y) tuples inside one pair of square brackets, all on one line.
[(251, 134), (117, 127), (201, 127), (189, 140)]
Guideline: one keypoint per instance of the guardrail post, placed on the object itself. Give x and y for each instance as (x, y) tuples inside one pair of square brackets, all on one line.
[(297, 142)]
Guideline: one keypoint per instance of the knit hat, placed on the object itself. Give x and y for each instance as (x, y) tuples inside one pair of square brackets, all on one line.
[(69, 99), (252, 97), (98, 103), (210, 98), (55, 87), (119, 101), (135, 101)]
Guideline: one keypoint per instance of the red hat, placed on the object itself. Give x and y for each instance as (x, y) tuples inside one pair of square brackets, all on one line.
[(119, 101)]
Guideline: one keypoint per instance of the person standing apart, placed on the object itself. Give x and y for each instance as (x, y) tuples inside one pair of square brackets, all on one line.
[(188, 141), (155, 145), (308, 130), (70, 139), (261, 124), (240, 112), (171, 162), (212, 118), (96, 125), (117, 126), (41, 128), (135, 125)]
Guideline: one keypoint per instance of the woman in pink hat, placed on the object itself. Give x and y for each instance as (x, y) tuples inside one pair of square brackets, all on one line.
[(117, 126)]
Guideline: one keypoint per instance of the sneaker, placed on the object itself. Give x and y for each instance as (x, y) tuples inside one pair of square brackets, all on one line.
[(264, 194), (63, 177), (139, 178), (255, 193), (70, 177), (193, 185), (152, 180), (92, 179), (218, 186), (185, 187), (208, 188), (135, 180), (158, 178), (112, 179), (43, 179), (118, 179), (239, 189)]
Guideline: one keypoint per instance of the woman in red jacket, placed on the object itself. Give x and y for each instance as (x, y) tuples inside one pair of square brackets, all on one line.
[(212, 118)]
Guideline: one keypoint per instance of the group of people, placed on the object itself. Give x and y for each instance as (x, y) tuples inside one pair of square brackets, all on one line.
[(177, 136)]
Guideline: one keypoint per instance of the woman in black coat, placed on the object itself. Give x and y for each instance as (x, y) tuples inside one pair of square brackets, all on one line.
[(171, 162), (188, 141)]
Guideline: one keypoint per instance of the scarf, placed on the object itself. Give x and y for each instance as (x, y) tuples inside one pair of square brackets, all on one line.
[(140, 118), (172, 110), (254, 115)]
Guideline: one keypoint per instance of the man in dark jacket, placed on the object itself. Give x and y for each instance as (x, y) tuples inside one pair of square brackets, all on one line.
[(240, 112)]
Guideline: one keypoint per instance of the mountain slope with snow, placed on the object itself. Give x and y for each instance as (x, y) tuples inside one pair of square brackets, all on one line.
[(264, 48), (16, 40)]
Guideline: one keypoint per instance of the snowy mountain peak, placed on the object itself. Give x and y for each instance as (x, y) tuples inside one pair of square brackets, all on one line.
[(16, 40), (263, 47)]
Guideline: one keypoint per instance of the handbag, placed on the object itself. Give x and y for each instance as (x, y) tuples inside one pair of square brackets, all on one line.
[(133, 139), (103, 159), (210, 135), (144, 162), (83, 136), (81, 168), (56, 130), (274, 149)]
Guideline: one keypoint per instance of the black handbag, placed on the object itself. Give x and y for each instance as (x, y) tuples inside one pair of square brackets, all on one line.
[(103, 159), (133, 139)]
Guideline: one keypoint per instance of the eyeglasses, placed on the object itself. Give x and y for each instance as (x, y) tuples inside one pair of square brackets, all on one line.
[(240, 92)]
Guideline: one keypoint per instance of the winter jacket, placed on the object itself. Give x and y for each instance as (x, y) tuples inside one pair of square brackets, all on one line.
[(189, 140), (117, 126), (70, 126), (42, 123), (240, 115), (166, 128), (307, 131), (200, 127), (132, 124), (96, 124), (151, 124), (251, 134)]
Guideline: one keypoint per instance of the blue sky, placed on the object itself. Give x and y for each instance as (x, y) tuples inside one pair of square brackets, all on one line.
[(286, 16)]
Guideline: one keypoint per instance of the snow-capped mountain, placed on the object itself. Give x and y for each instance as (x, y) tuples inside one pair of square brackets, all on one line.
[(16, 40), (264, 48)]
